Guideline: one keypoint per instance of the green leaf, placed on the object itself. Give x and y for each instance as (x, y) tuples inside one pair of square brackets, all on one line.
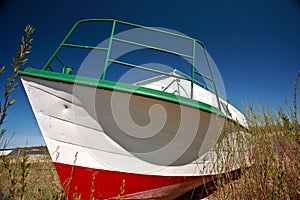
[(2, 70), (13, 101), (28, 50), (22, 47), (7, 89), (15, 86), (30, 41), (2, 132), (23, 62)]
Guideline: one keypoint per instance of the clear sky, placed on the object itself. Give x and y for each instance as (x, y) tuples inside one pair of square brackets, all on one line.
[(256, 44)]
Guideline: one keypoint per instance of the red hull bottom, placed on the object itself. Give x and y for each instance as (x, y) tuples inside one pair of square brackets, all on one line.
[(104, 184)]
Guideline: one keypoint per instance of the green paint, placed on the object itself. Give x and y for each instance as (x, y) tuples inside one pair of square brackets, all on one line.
[(122, 87), (109, 48)]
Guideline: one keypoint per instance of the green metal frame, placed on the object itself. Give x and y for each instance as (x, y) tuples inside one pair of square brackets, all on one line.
[(112, 38)]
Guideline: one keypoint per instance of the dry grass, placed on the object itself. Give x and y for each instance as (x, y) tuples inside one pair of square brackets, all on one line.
[(275, 172), (41, 179)]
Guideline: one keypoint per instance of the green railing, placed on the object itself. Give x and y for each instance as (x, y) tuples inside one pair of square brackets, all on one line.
[(112, 38)]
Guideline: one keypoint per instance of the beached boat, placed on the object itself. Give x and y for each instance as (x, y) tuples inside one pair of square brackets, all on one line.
[(134, 113)]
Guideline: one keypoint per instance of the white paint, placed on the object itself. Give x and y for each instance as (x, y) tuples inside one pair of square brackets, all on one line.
[(5, 152), (75, 135), (182, 87)]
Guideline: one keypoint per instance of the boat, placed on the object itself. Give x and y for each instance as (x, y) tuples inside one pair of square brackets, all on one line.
[(129, 111)]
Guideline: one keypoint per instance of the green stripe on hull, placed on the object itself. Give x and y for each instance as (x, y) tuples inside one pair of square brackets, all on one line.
[(110, 85)]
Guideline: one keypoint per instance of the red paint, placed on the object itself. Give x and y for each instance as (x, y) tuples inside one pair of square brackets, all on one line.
[(107, 184)]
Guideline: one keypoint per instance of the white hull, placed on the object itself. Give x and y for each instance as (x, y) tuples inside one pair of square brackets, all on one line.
[(74, 132)]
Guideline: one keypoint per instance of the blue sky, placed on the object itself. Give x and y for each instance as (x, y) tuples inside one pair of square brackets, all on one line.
[(256, 44)]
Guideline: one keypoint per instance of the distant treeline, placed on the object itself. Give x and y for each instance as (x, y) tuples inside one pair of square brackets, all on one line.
[(34, 150)]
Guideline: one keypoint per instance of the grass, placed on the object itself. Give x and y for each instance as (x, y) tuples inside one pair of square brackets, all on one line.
[(274, 151), (274, 139), (26, 176), (275, 173)]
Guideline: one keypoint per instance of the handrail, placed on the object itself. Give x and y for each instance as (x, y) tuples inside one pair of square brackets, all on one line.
[(113, 38), (109, 47), (154, 48), (84, 47)]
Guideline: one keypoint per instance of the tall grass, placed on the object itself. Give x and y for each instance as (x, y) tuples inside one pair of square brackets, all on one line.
[(274, 152), (14, 170), (31, 177), (267, 153), (18, 61), (275, 172)]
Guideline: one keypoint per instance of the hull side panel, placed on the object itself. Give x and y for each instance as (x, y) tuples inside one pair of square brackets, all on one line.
[(91, 131), (107, 184)]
